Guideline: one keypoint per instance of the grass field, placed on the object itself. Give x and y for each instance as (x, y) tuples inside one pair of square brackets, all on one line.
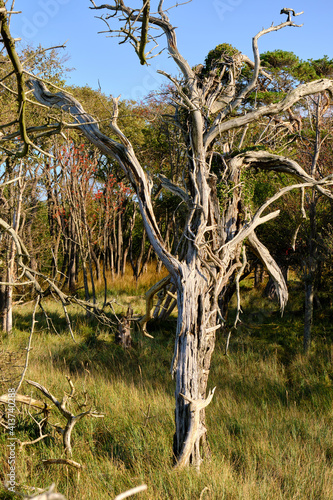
[(270, 422)]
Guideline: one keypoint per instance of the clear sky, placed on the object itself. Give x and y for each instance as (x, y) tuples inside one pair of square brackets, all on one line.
[(201, 25)]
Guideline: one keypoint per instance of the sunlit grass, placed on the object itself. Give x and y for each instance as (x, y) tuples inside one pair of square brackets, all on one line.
[(125, 289), (269, 424)]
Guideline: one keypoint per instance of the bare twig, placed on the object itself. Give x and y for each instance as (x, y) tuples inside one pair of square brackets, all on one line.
[(40, 425), (131, 492), (62, 461), (49, 494)]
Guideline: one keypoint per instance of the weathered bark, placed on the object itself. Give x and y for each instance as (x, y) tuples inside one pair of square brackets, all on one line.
[(10, 276), (154, 290), (8, 310), (203, 270), (167, 301), (194, 345), (270, 290)]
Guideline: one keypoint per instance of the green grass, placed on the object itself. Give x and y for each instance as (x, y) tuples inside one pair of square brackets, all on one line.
[(269, 424)]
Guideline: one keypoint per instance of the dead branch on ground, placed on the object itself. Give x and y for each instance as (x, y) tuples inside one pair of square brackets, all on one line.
[(69, 416)]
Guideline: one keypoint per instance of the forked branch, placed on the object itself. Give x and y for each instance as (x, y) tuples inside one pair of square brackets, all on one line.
[(69, 416)]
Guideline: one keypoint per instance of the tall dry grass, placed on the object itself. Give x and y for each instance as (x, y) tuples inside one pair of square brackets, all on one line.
[(270, 422)]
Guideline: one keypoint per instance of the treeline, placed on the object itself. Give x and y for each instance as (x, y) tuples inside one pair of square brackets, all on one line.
[(77, 214)]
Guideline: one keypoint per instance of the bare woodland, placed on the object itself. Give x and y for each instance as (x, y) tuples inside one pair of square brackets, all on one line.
[(213, 116)]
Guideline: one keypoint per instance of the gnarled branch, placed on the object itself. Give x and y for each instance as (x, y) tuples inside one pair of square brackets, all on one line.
[(275, 272), (291, 98)]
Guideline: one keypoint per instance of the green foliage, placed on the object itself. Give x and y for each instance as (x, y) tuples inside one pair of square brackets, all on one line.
[(224, 193), (323, 67), (267, 97), (289, 69), (218, 56), (279, 60), (313, 69), (47, 64), (218, 59)]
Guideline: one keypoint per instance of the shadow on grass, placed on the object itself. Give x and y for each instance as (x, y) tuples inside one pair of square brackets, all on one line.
[(22, 321), (107, 444), (147, 361), (263, 371)]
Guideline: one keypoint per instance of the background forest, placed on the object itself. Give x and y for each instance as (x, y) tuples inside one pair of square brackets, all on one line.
[(77, 217)]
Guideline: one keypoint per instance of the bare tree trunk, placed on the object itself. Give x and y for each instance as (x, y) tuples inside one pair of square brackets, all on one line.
[(258, 274), (97, 264), (8, 311), (29, 225), (119, 244), (136, 266), (203, 266), (195, 342), (308, 314), (311, 265), (71, 270)]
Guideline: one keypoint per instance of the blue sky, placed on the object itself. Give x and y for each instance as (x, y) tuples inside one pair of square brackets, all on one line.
[(201, 25)]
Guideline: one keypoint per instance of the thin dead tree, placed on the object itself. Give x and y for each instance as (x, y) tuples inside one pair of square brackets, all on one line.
[(210, 105)]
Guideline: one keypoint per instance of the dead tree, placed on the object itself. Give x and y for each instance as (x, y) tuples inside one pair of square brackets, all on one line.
[(211, 105)]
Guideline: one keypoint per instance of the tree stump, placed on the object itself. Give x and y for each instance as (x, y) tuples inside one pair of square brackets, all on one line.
[(123, 335)]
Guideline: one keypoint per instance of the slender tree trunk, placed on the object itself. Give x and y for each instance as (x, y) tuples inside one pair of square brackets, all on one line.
[(105, 252), (137, 265), (308, 314), (8, 313), (72, 251), (111, 255), (119, 244), (97, 264), (3, 278), (309, 278)]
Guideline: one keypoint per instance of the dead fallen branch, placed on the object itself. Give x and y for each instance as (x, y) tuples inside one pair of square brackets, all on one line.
[(27, 400), (69, 416), (132, 491), (50, 494), (62, 461)]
